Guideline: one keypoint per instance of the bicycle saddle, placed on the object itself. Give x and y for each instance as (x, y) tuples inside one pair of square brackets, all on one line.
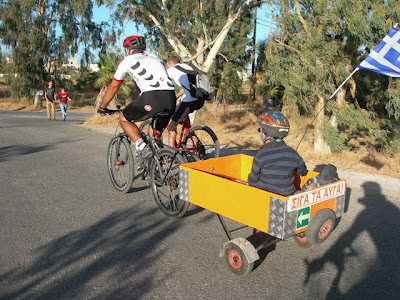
[(160, 121)]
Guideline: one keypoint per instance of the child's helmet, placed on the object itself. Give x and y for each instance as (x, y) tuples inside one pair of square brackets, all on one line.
[(274, 124)]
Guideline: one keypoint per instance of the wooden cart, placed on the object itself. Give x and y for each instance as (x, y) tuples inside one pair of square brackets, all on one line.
[(309, 216)]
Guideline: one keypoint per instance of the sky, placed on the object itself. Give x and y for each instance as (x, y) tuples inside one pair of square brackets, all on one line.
[(102, 14)]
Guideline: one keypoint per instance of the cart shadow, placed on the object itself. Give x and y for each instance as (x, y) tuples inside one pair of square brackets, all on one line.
[(257, 239), (194, 209)]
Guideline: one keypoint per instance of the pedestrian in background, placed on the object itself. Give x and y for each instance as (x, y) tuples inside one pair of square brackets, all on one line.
[(50, 97), (63, 103)]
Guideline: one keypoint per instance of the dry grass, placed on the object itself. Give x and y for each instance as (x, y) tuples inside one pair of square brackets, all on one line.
[(239, 130)]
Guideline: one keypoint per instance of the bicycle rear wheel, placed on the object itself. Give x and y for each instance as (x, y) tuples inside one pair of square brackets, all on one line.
[(202, 142), (120, 163), (164, 174)]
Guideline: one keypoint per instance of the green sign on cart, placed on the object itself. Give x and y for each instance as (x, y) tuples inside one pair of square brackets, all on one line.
[(303, 217)]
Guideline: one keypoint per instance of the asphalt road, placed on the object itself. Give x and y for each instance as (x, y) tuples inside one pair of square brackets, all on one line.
[(65, 233)]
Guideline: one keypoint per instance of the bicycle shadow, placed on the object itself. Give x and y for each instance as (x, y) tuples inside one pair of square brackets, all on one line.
[(380, 219), (136, 186), (114, 258)]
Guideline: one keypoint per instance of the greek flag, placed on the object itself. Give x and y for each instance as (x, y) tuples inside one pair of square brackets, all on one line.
[(385, 58)]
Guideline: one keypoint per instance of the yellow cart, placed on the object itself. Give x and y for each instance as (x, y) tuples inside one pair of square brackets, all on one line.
[(309, 216)]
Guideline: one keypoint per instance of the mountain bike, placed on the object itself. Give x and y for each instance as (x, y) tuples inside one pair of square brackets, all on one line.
[(199, 140), (158, 165)]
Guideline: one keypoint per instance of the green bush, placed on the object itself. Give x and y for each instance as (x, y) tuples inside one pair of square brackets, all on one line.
[(333, 137)]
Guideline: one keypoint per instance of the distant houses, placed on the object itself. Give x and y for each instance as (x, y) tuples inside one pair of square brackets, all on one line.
[(72, 63)]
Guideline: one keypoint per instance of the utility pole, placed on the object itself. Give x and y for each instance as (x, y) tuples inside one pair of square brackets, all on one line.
[(253, 63)]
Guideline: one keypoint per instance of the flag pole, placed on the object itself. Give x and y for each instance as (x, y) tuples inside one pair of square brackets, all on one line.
[(334, 93), (356, 69)]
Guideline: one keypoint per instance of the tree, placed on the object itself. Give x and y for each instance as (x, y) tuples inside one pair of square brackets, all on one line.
[(41, 34), (317, 45), (106, 73), (194, 30)]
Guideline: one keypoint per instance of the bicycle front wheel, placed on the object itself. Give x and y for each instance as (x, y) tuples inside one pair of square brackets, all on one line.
[(120, 163), (202, 142), (164, 174)]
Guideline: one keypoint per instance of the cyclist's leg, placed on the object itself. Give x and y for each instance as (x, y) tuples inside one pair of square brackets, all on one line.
[(135, 111), (196, 106), (179, 116), (145, 107), (129, 128)]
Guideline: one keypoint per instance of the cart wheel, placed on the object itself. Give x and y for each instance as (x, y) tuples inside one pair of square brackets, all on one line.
[(301, 240), (237, 260), (321, 226)]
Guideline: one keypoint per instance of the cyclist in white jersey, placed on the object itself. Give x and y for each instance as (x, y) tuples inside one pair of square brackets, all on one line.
[(187, 103), (156, 89)]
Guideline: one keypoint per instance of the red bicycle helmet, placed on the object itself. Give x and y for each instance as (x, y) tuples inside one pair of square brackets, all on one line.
[(274, 124), (135, 42)]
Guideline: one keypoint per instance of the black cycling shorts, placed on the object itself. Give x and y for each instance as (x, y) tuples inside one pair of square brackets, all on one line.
[(149, 104), (184, 109)]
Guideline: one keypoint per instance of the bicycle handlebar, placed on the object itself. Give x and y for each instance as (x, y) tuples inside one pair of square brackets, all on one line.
[(109, 111)]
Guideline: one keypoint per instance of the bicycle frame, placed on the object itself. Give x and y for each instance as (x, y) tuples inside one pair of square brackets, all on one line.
[(195, 140)]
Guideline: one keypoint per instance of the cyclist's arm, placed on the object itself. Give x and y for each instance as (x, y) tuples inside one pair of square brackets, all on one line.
[(111, 91)]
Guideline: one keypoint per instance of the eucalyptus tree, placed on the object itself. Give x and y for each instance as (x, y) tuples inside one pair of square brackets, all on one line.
[(194, 30), (41, 34), (316, 46)]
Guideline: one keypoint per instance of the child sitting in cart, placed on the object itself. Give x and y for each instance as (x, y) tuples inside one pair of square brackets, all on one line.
[(273, 165)]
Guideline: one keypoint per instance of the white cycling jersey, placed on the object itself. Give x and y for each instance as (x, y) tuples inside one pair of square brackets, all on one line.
[(147, 70), (182, 80)]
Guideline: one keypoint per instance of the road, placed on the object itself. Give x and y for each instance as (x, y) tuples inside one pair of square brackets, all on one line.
[(65, 233)]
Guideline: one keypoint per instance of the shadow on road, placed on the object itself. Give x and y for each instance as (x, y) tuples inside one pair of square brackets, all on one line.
[(17, 150), (380, 279), (112, 259)]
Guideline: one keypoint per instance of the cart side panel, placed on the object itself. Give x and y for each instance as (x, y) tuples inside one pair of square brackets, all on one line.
[(234, 166), (242, 203), (228, 166), (282, 224), (339, 205)]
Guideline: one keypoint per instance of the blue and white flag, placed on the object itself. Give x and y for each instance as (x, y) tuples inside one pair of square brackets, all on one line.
[(385, 58)]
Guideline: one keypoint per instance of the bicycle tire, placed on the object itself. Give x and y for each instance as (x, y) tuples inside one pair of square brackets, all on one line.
[(206, 141), (165, 183), (120, 163)]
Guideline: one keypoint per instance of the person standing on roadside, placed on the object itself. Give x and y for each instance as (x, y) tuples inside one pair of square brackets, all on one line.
[(63, 103), (50, 97)]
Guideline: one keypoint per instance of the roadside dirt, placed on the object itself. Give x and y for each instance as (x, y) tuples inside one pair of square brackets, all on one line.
[(237, 129)]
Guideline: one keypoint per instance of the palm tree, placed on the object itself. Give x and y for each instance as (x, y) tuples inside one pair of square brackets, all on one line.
[(106, 73)]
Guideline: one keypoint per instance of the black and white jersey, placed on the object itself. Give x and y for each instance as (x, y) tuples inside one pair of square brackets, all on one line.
[(182, 80), (147, 70)]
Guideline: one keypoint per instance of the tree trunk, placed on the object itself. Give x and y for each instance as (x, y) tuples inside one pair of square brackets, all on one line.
[(320, 146), (341, 101), (38, 101), (100, 96)]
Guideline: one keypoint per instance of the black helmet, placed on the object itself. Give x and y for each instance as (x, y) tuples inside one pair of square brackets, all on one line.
[(135, 42), (274, 124)]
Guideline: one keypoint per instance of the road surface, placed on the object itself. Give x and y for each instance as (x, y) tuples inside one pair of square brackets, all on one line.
[(65, 233)]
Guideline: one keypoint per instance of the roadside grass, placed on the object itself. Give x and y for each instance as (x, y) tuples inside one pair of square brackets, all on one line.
[(236, 127)]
